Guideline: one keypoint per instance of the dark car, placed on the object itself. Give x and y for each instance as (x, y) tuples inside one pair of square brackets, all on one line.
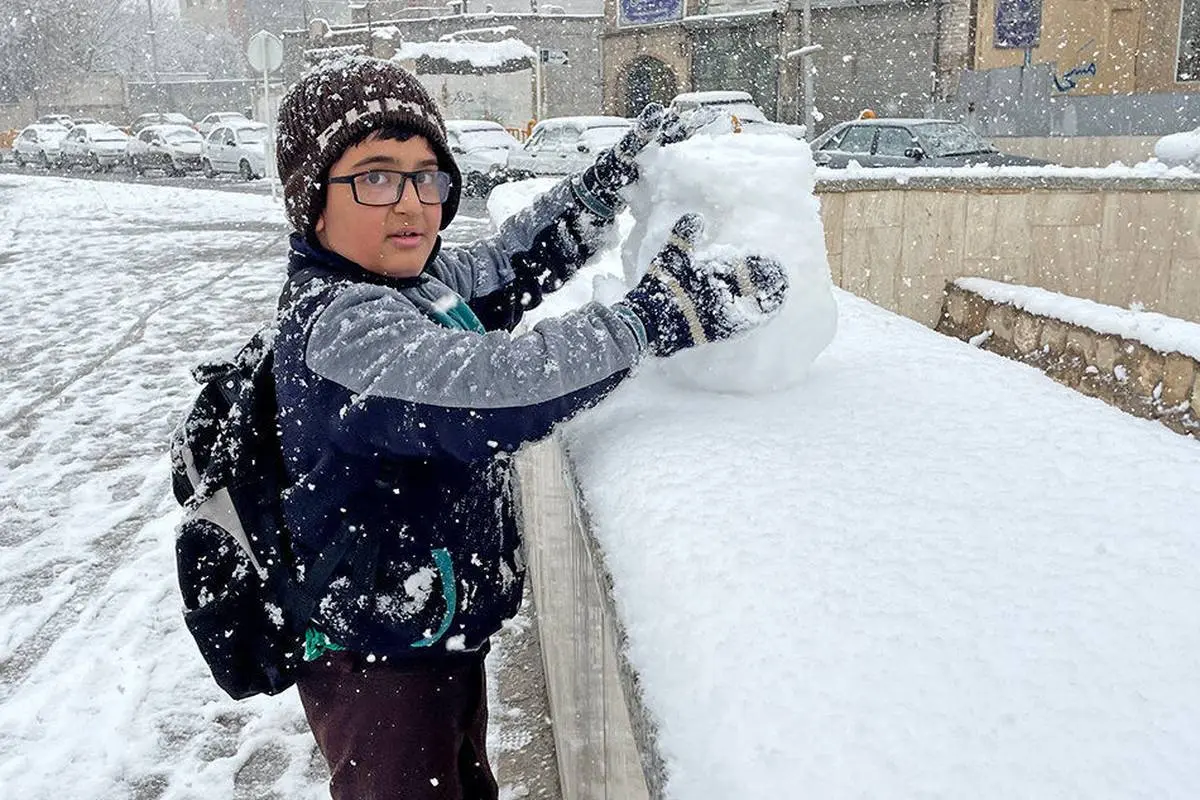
[(910, 143)]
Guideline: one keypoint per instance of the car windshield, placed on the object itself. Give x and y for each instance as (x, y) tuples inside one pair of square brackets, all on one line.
[(177, 137), (600, 138), (487, 139), (109, 135), (950, 138), (745, 112), (252, 135)]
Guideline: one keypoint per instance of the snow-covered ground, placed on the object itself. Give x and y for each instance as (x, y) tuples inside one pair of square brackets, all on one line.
[(110, 293), (925, 572)]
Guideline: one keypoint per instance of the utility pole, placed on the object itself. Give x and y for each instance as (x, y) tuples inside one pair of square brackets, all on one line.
[(304, 12), (806, 65), (154, 54)]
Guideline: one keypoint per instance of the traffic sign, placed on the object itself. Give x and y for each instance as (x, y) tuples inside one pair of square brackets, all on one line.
[(265, 52), (548, 56)]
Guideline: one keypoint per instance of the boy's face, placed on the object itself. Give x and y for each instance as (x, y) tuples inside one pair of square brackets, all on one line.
[(393, 240)]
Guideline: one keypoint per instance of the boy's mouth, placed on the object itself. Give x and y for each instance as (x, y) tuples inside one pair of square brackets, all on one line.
[(405, 238)]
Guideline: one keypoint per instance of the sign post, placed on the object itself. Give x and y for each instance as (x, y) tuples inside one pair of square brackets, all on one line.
[(265, 54)]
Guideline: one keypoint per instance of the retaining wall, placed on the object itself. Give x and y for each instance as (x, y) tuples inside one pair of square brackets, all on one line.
[(1140, 380), (1116, 240)]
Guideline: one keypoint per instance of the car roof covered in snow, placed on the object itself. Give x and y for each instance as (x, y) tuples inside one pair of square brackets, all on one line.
[(463, 125), (713, 97), (588, 122)]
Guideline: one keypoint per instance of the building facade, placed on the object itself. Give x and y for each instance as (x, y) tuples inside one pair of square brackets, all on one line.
[(1066, 68), (877, 54), (570, 84)]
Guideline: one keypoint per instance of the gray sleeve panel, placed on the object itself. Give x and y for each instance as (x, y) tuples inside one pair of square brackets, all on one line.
[(374, 342), (481, 268)]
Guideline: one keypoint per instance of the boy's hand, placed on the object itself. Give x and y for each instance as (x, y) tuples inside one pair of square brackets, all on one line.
[(616, 167), (682, 302)]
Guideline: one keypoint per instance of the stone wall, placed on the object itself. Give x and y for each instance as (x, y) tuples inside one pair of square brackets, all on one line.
[(1117, 241), (603, 737), (1140, 380)]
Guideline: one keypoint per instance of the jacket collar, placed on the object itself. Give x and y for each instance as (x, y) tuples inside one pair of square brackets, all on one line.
[(308, 253)]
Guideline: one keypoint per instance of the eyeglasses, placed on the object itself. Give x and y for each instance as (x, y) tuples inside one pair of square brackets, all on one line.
[(385, 187)]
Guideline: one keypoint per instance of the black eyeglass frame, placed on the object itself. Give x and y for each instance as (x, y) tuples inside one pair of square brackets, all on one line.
[(405, 178)]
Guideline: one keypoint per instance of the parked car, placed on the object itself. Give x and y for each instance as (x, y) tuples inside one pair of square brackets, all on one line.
[(237, 148), (883, 142), (94, 145), (565, 145), (1179, 149), (156, 118), (481, 149), (733, 111), (39, 144), (210, 121), (174, 148), (63, 120)]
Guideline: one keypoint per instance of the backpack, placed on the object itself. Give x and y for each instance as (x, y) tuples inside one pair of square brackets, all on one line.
[(243, 602)]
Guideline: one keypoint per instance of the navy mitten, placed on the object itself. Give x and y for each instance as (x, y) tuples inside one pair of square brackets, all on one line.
[(681, 302)]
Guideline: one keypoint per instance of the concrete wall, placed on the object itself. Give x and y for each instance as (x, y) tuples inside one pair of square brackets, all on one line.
[(1140, 380), (1115, 241), (877, 57), (588, 680), (1081, 151)]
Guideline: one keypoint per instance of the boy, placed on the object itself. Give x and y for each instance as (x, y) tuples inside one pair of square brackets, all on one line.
[(401, 396)]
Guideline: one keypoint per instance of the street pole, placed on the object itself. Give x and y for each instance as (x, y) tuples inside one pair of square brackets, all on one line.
[(806, 65), (154, 55)]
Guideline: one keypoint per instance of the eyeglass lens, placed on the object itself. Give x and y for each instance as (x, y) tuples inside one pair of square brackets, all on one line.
[(385, 188)]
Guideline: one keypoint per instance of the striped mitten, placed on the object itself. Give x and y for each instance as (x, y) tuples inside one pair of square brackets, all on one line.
[(681, 302)]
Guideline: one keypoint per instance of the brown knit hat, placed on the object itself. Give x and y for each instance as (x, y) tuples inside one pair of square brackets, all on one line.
[(336, 104)]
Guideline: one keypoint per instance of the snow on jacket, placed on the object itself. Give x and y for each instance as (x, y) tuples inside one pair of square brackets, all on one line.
[(398, 426)]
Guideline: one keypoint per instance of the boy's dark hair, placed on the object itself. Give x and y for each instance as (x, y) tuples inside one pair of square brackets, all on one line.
[(339, 104)]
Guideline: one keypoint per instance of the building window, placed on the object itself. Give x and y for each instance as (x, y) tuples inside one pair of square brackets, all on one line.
[(1018, 24), (1189, 42)]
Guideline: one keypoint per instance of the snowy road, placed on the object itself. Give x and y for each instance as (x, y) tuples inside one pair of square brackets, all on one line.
[(111, 291)]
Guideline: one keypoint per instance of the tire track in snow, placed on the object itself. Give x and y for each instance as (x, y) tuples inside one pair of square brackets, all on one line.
[(24, 416)]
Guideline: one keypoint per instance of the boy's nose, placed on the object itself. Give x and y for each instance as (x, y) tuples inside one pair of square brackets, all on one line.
[(408, 200)]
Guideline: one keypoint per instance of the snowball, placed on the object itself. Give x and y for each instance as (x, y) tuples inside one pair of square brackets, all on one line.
[(733, 180)]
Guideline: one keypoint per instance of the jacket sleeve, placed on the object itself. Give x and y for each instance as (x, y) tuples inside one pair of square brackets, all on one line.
[(535, 252), (416, 389)]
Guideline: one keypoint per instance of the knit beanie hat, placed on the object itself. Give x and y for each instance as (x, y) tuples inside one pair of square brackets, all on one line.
[(338, 103)]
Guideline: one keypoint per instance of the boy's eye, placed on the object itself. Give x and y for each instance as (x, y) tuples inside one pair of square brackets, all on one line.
[(423, 178), (376, 179)]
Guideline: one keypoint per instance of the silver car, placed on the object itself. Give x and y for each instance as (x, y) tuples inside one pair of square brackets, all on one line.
[(98, 146), (481, 149), (565, 145), (173, 148), (39, 144)]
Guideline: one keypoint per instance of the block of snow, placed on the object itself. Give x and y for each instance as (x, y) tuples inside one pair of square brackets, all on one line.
[(756, 196)]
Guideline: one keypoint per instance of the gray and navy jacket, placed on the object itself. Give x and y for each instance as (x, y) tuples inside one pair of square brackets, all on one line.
[(400, 404)]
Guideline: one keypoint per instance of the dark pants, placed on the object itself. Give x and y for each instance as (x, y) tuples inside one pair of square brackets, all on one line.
[(400, 731)]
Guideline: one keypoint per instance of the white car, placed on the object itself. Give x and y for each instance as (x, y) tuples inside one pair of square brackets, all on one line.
[(481, 149), (206, 125), (734, 112), (39, 144), (173, 148), (1179, 149), (565, 145), (98, 146), (239, 148)]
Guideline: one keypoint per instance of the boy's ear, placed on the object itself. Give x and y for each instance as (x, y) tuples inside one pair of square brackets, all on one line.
[(320, 226)]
